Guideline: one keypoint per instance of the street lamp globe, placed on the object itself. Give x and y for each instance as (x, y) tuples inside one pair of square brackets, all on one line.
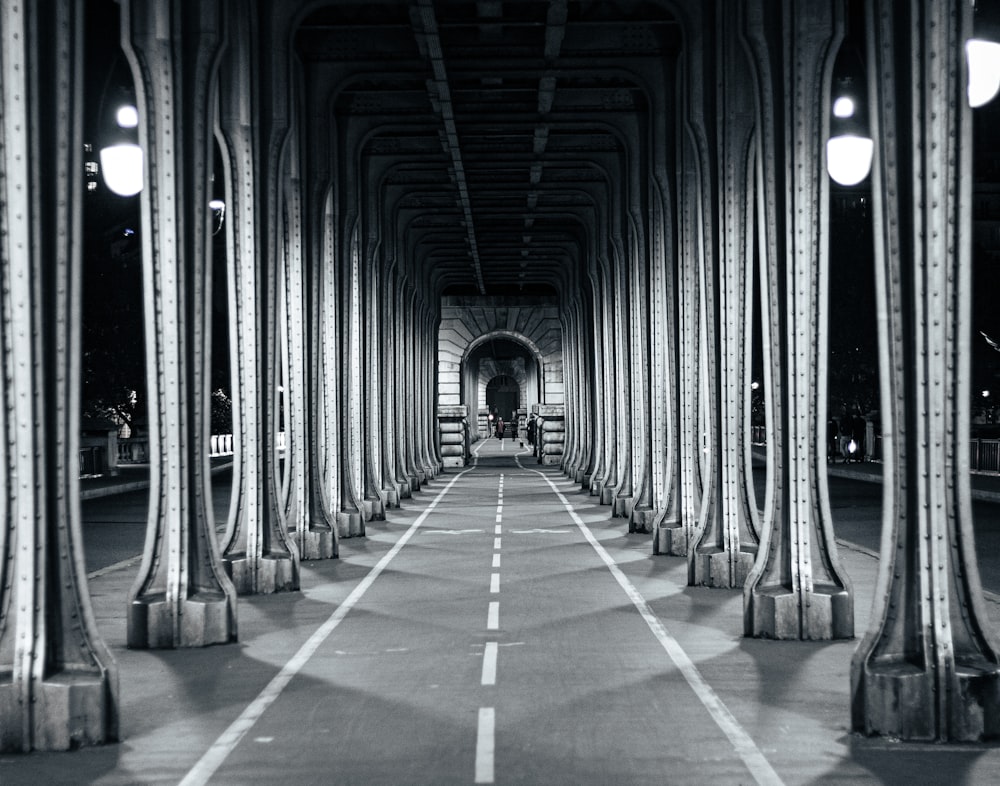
[(122, 163)]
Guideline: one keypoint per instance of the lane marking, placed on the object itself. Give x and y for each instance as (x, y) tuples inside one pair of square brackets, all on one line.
[(125, 563), (496, 561), (490, 664), (449, 531), (741, 741), (485, 743), (494, 583), (499, 509), (497, 529), (496, 543), (217, 754), (499, 517), (493, 616), (541, 531)]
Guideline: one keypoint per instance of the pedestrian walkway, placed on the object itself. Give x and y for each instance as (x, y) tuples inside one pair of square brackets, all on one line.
[(499, 628)]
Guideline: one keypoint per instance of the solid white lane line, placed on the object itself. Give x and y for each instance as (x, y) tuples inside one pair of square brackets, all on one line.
[(485, 744), (493, 616), (490, 664), (496, 543), (494, 583), (125, 563), (216, 755), (496, 561), (741, 741)]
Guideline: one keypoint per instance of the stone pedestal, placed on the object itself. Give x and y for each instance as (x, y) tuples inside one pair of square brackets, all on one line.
[(452, 428)]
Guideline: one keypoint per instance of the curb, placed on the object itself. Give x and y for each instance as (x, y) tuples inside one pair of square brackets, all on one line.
[(133, 485)]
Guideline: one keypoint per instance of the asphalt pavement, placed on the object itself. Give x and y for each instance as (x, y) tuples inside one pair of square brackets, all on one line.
[(498, 628)]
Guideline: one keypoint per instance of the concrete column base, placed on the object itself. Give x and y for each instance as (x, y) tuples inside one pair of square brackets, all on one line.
[(776, 613), (900, 700), (453, 461), (720, 569), (607, 495), (206, 618), (318, 544), (414, 482), (350, 524), (262, 576), (69, 711), (670, 540), (374, 510), (391, 496), (621, 506), (642, 519)]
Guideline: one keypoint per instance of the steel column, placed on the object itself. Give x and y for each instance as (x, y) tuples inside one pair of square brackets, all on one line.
[(182, 596), (929, 668), (58, 682), (797, 589), (256, 554)]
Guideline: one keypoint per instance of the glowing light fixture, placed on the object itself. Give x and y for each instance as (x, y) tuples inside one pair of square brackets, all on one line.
[(982, 54), (850, 148), (122, 163)]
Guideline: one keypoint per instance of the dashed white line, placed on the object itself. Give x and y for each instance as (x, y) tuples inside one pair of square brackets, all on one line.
[(498, 528), (490, 664), (496, 543), (494, 583), (496, 560), (493, 616), (485, 745)]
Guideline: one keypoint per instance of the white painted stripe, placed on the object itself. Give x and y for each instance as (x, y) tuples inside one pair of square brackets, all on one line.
[(494, 583), (499, 518), (497, 529), (496, 561), (496, 543), (499, 509), (741, 741), (493, 616), (125, 563), (490, 664), (485, 743), (216, 755)]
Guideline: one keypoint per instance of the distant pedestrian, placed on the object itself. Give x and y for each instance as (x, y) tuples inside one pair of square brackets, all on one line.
[(531, 430), (499, 431)]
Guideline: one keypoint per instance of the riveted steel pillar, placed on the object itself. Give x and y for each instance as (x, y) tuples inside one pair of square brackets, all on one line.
[(350, 517), (609, 475), (929, 667), (676, 535), (429, 331), (619, 491), (392, 489), (375, 502), (727, 543), (256, 554), (182, 596), (597, 336), (400, 301), (640, 508), (797, 589), (308, 520), (58, 682)]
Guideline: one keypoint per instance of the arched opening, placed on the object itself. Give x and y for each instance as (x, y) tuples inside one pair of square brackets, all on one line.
[(503, 397)]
